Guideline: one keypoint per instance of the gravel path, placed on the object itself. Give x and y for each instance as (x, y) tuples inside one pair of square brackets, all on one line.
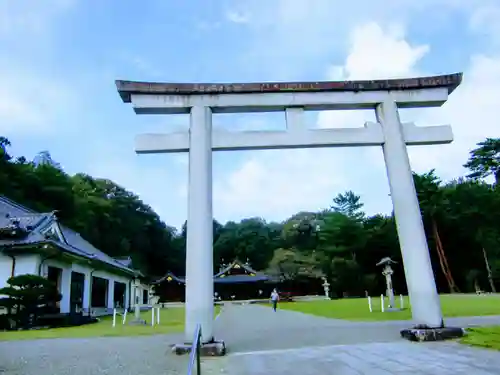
[(114, 356), (252, 327), (259, 341), (247, 328)]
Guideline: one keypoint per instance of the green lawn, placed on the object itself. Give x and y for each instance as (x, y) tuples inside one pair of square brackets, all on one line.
[(171, 321), (356, 309), (484, 337)]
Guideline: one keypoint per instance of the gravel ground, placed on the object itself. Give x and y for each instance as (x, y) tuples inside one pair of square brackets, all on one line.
[(247, 328), (255, 328), (114, 356)]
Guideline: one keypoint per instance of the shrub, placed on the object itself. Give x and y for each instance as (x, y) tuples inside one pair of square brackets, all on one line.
[(27, 296)]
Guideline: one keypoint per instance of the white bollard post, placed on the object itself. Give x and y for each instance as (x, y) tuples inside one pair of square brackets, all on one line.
[(152, 316), (114, 317), (401, 301), (370, 303), (158, 315), (124, 316), (382, 302)]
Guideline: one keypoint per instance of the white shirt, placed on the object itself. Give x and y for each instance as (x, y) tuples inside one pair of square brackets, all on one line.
[(274, 296)]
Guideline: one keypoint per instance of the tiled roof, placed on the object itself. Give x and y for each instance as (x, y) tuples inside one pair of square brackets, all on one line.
[(231, 279), (126, 261), (31, 221), (238, 279), (8, 206), (168, 277), (236, 264), (74, 243), (74, 239)]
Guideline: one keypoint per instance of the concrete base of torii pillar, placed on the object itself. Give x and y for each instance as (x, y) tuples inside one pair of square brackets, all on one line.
[(209, 349), (137, 321)]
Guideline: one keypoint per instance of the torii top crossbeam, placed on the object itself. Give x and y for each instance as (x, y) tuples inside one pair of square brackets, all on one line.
[(127, 88), (293, 98), (183, 91)]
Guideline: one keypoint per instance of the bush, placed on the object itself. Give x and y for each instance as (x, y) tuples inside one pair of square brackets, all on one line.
[(64, 320), (286, 297), (6, 322), (28, 296)]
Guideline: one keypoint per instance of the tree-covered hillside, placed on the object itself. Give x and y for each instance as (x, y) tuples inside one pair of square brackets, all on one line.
[(462, 221)]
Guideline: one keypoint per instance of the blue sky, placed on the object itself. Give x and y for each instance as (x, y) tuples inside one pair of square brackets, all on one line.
[(59, 60)]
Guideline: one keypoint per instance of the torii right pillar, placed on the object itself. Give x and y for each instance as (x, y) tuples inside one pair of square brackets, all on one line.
[(425, 303)]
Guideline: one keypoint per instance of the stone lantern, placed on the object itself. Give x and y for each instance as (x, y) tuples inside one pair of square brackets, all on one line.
[(137, 310), (326, 287), (387, 272)]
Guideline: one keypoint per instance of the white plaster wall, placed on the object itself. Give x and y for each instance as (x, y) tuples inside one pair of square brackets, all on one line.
[(112, 278), (66, 283), (65, 287), (25, 264), (28, 264), (5, 269)]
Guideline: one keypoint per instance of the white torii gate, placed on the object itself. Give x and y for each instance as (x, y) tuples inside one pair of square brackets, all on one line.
[(200, 101)]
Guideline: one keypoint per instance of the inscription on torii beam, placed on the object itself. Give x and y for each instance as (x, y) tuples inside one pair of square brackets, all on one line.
[(127, 88)]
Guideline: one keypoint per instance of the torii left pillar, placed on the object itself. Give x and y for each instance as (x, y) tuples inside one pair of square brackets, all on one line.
[(199, 254), (199, 257)]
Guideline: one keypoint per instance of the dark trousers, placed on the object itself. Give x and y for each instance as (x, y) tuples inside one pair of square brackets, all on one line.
[(275, 305)]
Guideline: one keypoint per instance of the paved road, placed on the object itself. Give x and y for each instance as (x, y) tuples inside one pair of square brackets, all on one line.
[(360, 359), (261, 341)]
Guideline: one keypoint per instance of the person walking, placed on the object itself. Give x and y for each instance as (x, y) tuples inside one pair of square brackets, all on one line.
[(274, 299)]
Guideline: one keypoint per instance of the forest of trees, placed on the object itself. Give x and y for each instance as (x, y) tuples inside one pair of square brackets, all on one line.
[(342, 243)]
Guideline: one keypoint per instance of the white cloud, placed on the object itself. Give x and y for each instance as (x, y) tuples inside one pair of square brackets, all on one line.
[(30, 104), (484, 21), (472, 110), (376, 53), (275, 186), (291, 36), (143, 66), (25, 17), (279, 184), (299, 33), (237, 17)]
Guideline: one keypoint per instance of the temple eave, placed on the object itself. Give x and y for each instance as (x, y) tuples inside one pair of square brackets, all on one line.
[(128, 88)]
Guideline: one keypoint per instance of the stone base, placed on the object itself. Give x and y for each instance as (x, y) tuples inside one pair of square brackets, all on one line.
[(210, 349), (424, 333), (137, 322), (392, 309)]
